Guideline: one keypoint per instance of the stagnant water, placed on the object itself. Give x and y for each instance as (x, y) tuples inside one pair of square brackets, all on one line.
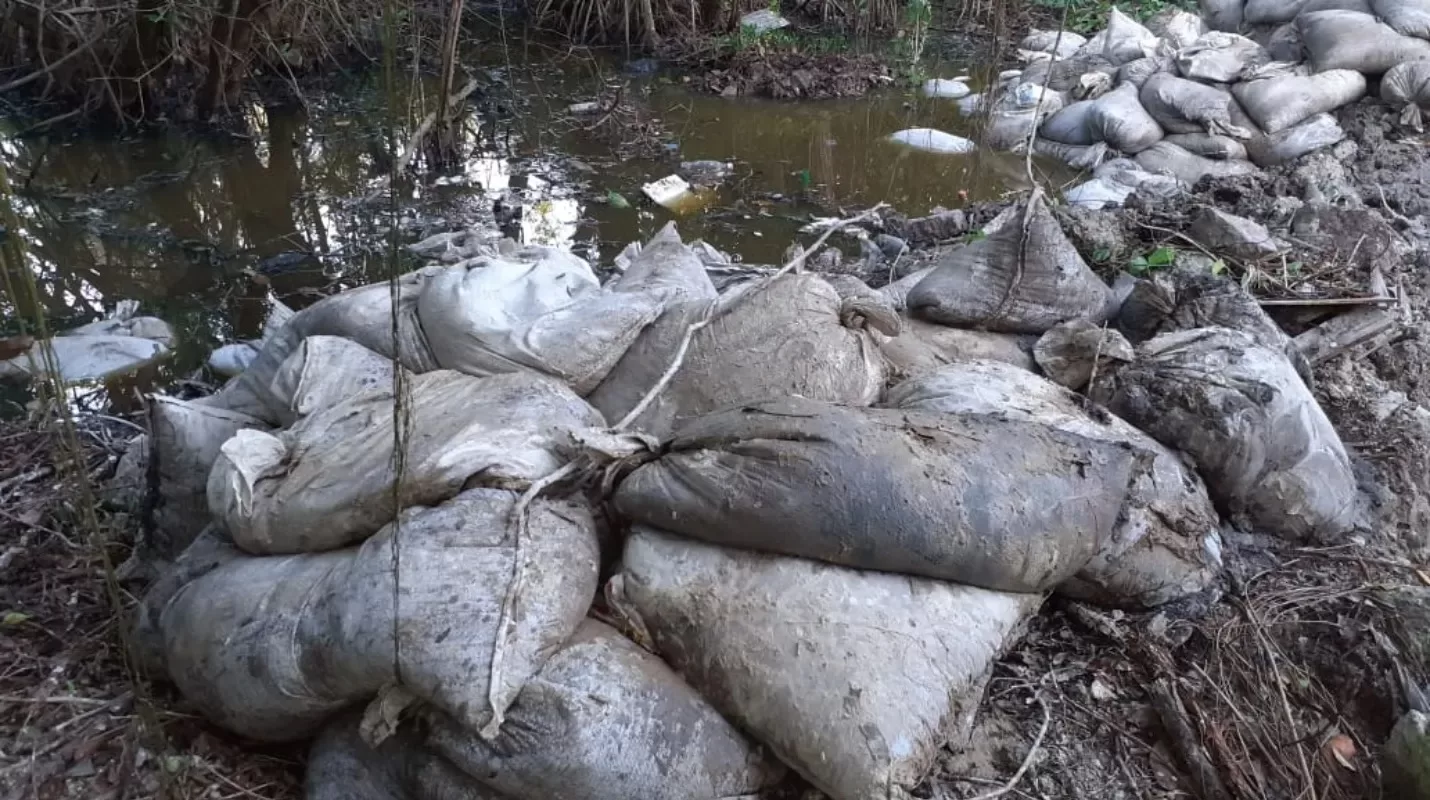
[(200, 228)]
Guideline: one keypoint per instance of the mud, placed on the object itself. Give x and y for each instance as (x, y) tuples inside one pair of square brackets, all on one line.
[(796, 76)]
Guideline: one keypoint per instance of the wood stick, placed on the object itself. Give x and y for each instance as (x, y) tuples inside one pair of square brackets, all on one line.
[(1345, 332)]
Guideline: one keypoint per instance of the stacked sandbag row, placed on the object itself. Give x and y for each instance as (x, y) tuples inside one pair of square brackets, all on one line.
[(842, 506), (1178, 100)]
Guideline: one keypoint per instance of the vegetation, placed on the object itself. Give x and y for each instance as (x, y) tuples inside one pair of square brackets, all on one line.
[(1089, 16)]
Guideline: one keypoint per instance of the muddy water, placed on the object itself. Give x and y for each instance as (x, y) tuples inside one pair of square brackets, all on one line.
[(200, 228)]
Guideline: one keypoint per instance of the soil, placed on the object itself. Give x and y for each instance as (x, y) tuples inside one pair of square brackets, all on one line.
[(795, 76)]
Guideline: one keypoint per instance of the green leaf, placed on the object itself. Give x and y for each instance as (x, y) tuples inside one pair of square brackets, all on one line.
[(1101, 255), (13, 618), (616, 199), (975, 236), (1161, 257), (805, 180), (1218, 267)]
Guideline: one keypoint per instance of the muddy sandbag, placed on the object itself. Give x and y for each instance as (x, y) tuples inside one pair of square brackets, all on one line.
[(1408, 85), (1222, 15), (270, 647), (1116, 181), (1271, 12), (1060, 43), (343, 766), (923, 347), (887, 490), (185, 441), (541, 310), (1219, 57), (1119, 119), (1228, 234), (329, 480), (1078, 157), (1355, 41), (1279, 103), (1063, 75), (1408, 17), (1127, 40), (1137, 72), (1183, 299), (1072, 125), (1166, 543), (1165, 158), (1183, 106), (665, 259), (1264, 447), (1018, 112), (1284, 44), (1209, 145), (1176, 27), (1023, 278), (1315, 133), (787, 338), (872, 675), (1069, 353), (365, 315), (606, 720), (325, 371)]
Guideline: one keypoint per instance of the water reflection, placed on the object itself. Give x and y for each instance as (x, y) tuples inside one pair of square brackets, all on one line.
[(200, 229)]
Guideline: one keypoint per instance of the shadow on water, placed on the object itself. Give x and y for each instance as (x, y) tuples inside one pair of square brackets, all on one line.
[(200, 229)]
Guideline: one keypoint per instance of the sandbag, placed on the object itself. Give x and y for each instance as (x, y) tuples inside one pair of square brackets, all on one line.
[(325, 371), (1355, 41), (1011, 284), (1183, 106), (667, 260), (1166, 543), (1115, 181), (1279, 103), (1185, 299), (1063, 75), (923, 347), (1408, 85), (1017, 112), (185, 441), (932, 140), (1165, 158), (232, 359), (855, 679), (329, 480), (1119, 119), (1061, 44), (1209, 145), (1222, 15), (1255, 432), (270, 647), (787, 338), (981, 501), (1137, 72), (343, 766), (366, 315), (1075, 156), (1069, 353), (1227, 234), (82, 358), (541, 310), (1176, 27), (1127, 40), (1072, 125), (1314, 133), (1408, 17), (1271, 12), (606, 720), (1284, 44), (1220, 57)]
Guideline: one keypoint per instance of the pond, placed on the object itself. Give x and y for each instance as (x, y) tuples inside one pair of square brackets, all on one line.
[(200, 228)]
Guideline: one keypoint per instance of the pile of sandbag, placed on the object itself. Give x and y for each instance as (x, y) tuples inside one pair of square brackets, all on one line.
[(1250, 83), (824, 510)]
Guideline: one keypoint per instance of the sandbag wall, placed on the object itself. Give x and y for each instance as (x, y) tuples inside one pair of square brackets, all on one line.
[(819, 535), (1250, 83)]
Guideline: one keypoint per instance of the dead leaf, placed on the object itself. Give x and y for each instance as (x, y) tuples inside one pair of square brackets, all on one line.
[(1423, 576), (1101, 692), (1342, 749)]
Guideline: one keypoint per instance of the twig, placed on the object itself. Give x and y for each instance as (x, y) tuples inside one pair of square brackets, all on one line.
[(1012, 783), (415, 142), (1184, 740), (1311, 302)]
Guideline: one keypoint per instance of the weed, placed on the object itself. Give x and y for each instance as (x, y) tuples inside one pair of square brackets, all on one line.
[(1090, 16), (782, 39), (1149, 262)]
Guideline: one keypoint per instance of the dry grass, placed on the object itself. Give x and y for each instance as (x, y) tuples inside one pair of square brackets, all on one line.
[(1304, 647), (74, 721)]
